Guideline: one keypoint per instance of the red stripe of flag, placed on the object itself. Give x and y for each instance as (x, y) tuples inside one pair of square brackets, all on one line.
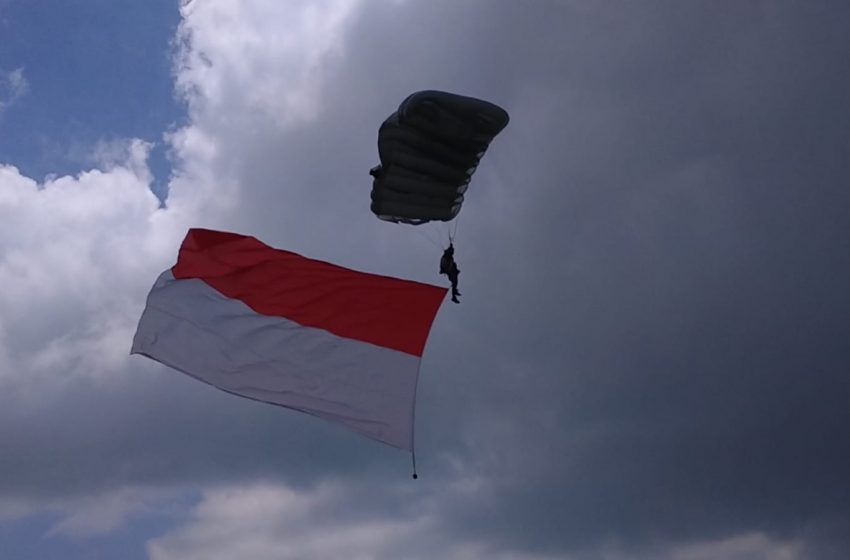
[(385, 311)]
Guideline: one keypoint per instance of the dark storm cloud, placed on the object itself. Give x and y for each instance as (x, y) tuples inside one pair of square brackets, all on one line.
[(677, 269), (661, 304)]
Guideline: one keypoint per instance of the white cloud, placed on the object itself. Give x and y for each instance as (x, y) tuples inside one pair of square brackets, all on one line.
[(73, 252), (98, 514), (267, 521), (13, 86), (266, 58), (132, 153), (78, 254), (255, 75), (273, 522), (750, 546)]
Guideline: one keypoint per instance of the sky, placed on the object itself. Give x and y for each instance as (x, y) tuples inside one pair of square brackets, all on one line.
[(651, 356)]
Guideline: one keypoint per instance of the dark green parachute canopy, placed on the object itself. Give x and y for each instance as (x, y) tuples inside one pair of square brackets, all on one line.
[(429, 150)]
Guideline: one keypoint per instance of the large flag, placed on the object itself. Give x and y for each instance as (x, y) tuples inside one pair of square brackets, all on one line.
[(281, 328)]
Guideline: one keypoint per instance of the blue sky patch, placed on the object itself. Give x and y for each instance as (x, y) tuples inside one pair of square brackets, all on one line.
[(98, 70)]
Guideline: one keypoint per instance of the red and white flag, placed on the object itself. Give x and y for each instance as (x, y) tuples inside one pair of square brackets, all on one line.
[(281, 328)]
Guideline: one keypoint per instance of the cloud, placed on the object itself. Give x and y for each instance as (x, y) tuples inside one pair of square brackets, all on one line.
[(650, 358), (281, 49), (268, 521), (98, 515), (13, 86), (83, 517), (71, 250), (741, 547)]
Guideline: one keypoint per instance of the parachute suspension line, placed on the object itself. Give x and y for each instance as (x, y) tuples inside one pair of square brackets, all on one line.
[(427, 237), (433, 233), (453, 230)]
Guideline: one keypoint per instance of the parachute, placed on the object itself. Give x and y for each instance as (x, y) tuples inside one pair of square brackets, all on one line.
[(429, 149)]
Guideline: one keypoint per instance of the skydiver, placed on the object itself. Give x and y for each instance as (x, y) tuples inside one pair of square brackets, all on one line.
[(448, 266)]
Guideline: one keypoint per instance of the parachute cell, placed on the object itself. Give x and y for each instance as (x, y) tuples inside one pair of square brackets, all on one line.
[(429, 149)]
